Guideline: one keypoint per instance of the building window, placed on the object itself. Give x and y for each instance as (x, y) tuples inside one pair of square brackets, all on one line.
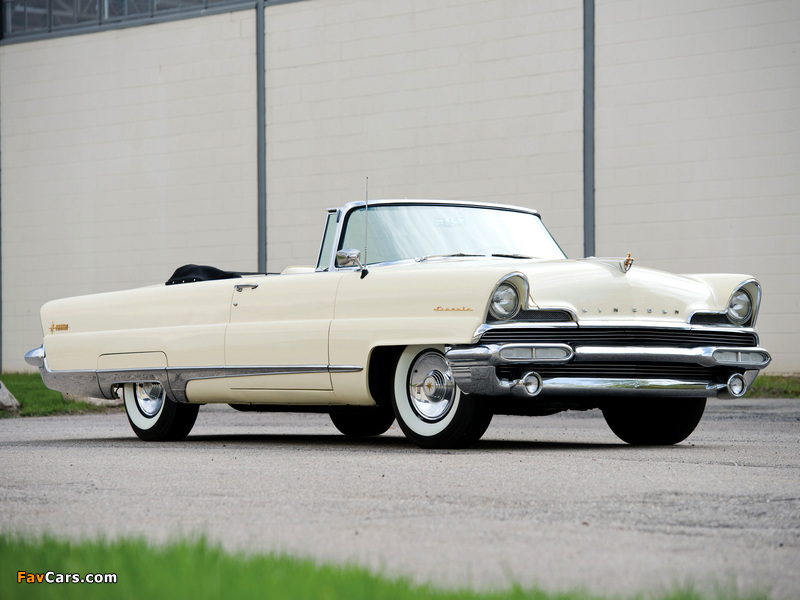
[(40, 18)]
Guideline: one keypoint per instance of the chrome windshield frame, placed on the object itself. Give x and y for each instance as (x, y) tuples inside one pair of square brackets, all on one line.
[(344, 212)]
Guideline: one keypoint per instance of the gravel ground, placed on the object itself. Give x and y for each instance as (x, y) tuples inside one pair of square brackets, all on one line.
[(556, 501)]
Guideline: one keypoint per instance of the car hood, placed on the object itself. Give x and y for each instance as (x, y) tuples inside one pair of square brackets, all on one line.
[(602, 290), (594, 290)]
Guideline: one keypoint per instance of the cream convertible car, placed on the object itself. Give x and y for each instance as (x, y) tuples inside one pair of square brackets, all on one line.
[(437, 314)]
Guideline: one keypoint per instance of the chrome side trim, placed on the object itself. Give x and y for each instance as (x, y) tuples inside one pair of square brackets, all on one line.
[(101, 383), (179, 377), (344, 368)]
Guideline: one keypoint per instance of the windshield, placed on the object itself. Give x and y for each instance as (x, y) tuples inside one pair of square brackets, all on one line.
[(398, 232)]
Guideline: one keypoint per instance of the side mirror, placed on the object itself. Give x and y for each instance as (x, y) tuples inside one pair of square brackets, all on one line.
[(350, 258)]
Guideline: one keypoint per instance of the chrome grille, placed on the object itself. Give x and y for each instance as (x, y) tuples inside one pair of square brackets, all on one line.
[(709, 319), (614, 336), (541, 316), (624, 371)]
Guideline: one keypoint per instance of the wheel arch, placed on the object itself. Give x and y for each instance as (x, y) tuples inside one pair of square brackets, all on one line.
[(380, 373)]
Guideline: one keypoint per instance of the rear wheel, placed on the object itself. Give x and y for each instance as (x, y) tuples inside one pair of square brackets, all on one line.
[(363, 422), (664, 423), (153, 416), (429, 407)]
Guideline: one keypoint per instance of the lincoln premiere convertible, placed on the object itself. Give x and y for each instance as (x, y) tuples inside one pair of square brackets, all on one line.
[(436, 314)]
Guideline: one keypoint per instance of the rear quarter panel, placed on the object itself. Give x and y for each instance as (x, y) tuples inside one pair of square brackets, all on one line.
[(186, 322)]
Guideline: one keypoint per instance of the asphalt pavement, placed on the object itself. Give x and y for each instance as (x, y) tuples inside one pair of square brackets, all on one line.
[(555, 501)]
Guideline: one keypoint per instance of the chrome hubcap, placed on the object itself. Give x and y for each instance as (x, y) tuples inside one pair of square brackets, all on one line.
[(431, 389), (149, 398)]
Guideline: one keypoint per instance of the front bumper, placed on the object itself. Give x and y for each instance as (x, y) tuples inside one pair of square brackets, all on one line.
[(526, 370)]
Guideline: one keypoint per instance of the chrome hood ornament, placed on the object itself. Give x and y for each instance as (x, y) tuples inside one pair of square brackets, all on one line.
[(628, 263)]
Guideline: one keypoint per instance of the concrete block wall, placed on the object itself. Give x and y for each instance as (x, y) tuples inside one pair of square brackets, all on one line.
[(698, 145), (453, 99), (125, 154)]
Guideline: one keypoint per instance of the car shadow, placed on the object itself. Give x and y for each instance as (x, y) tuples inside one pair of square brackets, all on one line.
[(381, 443), (389, 443)]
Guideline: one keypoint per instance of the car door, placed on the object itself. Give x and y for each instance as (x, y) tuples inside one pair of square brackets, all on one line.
[(279, 326)]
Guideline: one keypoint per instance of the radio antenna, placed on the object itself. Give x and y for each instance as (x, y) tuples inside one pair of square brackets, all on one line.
[(366, 220)]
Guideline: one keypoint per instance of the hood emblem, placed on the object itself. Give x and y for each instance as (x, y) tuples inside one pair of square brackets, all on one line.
[(628, 262)]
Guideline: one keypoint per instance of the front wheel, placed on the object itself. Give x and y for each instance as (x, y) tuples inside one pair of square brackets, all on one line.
[(430, 409), (153, 416), (664, 423)]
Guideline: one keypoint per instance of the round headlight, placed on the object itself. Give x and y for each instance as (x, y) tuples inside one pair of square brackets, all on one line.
[(740, 307), (505, 302)]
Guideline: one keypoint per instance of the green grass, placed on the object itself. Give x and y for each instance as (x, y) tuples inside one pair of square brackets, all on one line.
[(195, 570), (775, 386), (35, 400)]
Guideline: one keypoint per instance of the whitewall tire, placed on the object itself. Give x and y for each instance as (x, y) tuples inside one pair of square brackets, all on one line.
[(153, 416), (428, 405)]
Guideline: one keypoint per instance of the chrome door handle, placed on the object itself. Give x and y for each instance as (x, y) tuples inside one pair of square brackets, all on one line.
[(240, 286)]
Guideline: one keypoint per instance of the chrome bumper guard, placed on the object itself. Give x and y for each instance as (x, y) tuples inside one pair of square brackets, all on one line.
[(77, 383), (474, 370)]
